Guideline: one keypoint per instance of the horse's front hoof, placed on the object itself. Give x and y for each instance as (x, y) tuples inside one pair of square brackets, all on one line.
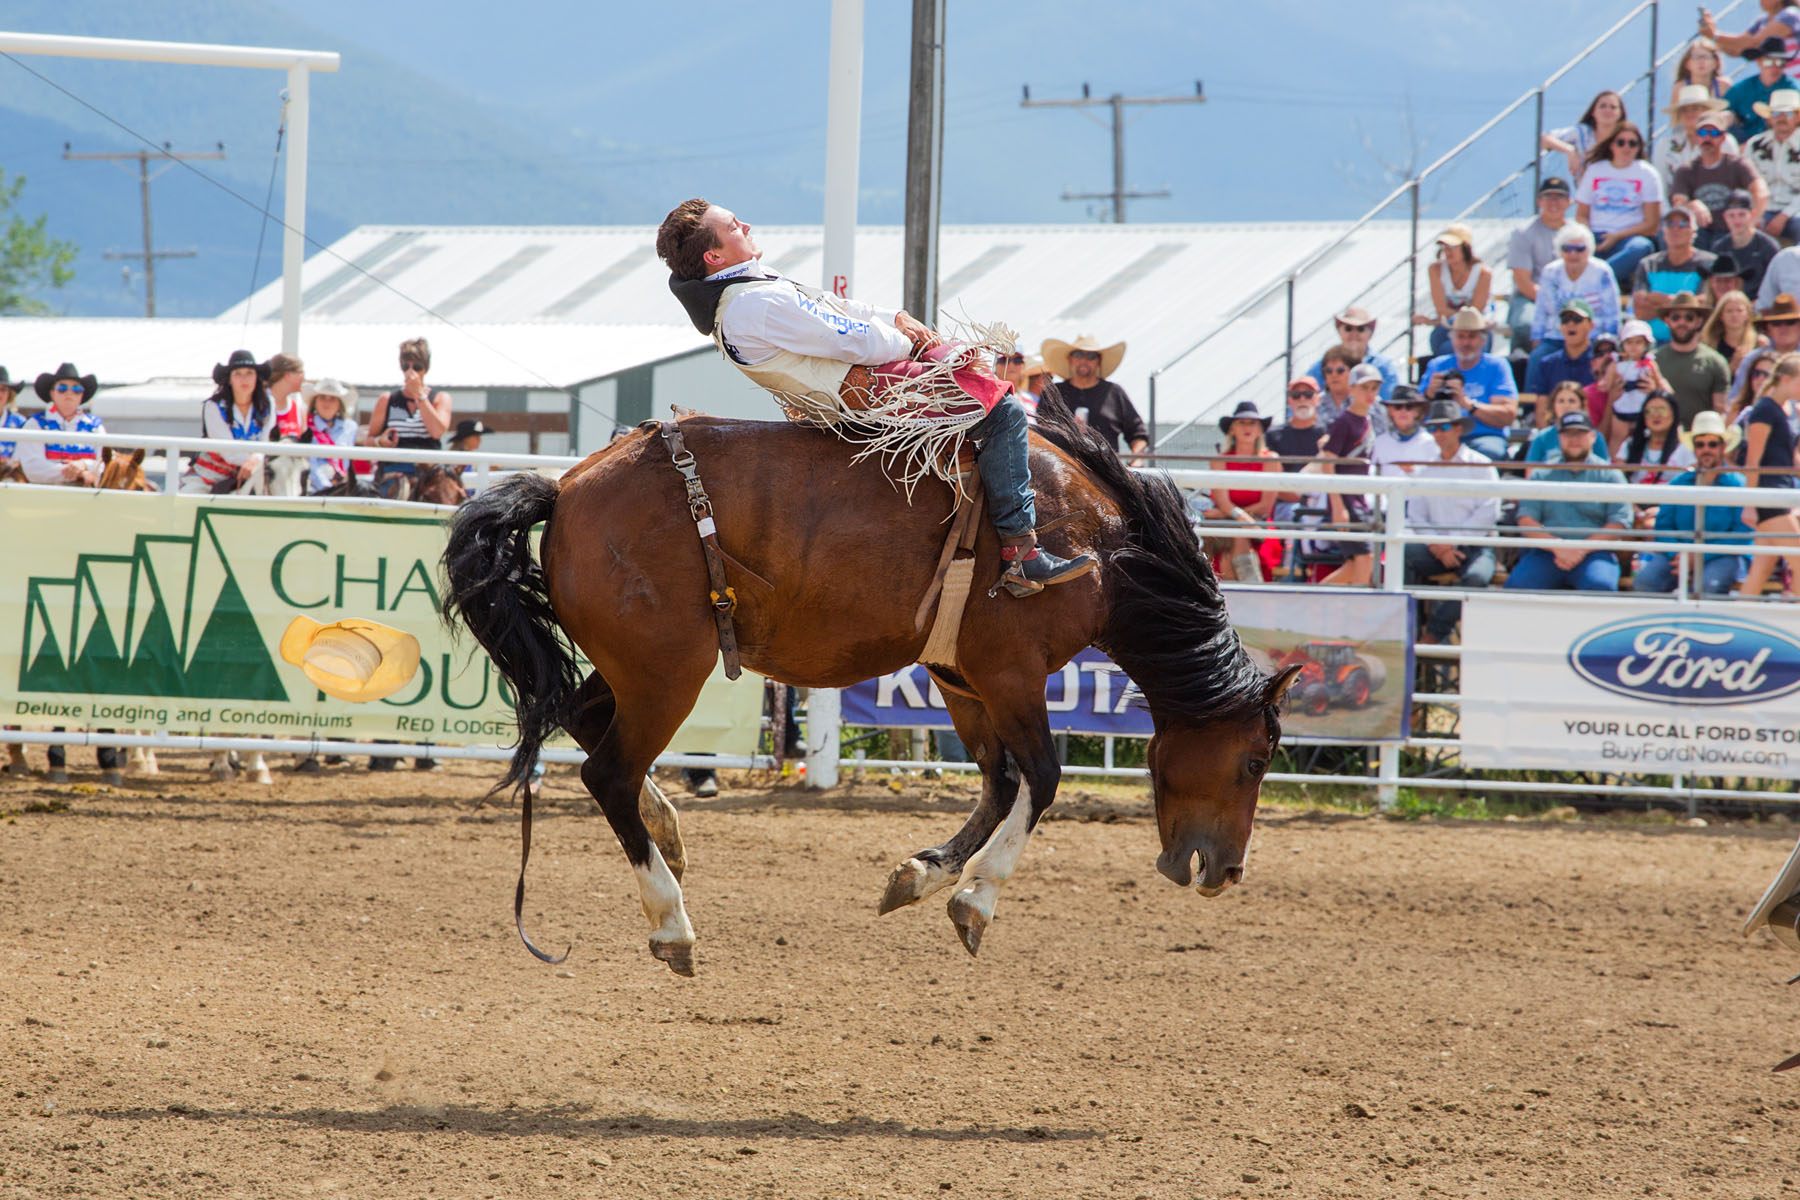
[(969, 920), (263, 777), (907, 884), (679, 957)]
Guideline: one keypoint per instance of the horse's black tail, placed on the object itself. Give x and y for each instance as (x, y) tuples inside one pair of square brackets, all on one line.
[(495, 587)]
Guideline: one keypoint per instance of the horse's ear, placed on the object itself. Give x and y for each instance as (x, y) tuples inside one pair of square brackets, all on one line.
[(1279, 685), (106, 454), (137, 457)]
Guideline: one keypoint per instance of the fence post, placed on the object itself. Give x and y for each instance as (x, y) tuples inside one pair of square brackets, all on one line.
[(1290, 338), (1150, 459), (1650, 78), (824, 709), (1412, 278), (1537, 149), (1393, 579)]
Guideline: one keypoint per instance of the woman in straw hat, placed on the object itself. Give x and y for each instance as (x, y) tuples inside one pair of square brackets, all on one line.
[(329, 420), (1682, 147)]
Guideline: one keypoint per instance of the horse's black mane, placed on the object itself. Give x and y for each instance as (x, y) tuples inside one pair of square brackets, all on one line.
[(1167, 626)]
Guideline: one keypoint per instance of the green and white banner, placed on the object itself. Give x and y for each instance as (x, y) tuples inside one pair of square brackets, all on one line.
[(131, 611)]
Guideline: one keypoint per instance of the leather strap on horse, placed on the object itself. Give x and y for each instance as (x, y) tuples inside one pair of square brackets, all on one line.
[(723, 598)]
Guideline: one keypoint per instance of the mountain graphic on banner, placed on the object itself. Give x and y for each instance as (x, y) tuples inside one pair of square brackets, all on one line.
[(168, 620)]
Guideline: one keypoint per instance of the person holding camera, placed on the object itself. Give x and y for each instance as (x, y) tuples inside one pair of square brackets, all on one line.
[(1482, 383)]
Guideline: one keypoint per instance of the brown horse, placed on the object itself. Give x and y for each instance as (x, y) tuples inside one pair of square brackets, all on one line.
[(428, 484), (846, 560)]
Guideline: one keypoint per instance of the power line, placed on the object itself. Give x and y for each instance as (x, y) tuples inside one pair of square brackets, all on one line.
[(148, 255), (1118, 104)]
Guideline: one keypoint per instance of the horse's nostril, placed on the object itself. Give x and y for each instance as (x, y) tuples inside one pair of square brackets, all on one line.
[(1234, 874)]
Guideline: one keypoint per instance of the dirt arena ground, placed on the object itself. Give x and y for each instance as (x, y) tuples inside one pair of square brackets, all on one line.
[(314, 990)]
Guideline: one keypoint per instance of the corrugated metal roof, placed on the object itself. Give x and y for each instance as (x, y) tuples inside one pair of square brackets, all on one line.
[(1157, 287), (122, 351)]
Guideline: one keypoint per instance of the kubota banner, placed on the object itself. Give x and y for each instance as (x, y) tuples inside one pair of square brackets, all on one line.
[(1354, 649), (130, 611)]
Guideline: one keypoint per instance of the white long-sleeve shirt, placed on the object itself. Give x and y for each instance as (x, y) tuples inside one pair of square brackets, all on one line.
[(1455, 516), (43, 462), (762, 322)]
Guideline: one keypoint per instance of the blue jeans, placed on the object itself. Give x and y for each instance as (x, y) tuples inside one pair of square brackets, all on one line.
[(1537, 571), (1005, 462), (1477, 571), (1625, 257), (1656, 573), (1493, 445)]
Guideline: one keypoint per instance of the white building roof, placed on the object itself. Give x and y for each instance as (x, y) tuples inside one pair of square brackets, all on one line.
[(134, 350), (1157, 287)]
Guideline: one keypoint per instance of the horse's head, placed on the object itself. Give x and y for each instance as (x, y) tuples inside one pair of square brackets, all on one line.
[(123, 473), (1205, 779)]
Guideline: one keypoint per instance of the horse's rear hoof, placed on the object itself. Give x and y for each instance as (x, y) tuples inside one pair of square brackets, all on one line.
[(970, 922), (906, 885), (680, 958)]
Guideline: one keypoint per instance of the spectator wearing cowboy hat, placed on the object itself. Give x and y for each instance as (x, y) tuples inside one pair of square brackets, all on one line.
[(1775, 155), (1479, 381), (1451, 517), (1695, 373), (1246, 449), (1718, 171), (1569, 566), (1779, 21), (1681, 147), (467, 439), (1748, 98), (1531, 249), (1749, 247), (1709, 441), (1355, 330), (329, 420), (1403, 443), (1084, 366), (239, 410), (1575, 361), (1727, 277), (10, 418), (1681, 269), (65, 391)]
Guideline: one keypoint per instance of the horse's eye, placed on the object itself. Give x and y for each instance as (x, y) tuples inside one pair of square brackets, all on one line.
[(1258, 766)]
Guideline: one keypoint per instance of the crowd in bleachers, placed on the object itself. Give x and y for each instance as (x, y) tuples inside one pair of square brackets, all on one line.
[(1645, 330), (257, 400)]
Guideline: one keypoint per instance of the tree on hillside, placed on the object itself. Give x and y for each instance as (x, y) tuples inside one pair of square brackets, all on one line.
[(30, 259)]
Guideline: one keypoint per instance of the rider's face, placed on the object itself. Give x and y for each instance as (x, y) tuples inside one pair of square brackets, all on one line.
[(735, 245)]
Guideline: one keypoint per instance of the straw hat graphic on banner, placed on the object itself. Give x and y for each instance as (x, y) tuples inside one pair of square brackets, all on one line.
[(352, 659)]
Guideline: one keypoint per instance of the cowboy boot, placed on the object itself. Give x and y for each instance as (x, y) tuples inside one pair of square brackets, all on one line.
[(1030, 568)]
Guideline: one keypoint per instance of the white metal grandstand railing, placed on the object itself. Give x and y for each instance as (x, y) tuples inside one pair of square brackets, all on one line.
[(1407, 268)]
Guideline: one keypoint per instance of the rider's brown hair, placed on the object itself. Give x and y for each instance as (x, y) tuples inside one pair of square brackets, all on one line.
[(684, 238)]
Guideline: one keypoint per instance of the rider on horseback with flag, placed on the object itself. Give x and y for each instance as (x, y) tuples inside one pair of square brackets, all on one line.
[(872, 375)]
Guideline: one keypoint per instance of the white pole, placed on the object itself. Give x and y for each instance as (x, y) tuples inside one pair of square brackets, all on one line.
[(843, 141), (1393, 579), (293, 238)]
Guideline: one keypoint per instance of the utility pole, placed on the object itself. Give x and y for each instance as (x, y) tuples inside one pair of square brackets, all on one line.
[(1118, 103), (924, 160), (149, 254)]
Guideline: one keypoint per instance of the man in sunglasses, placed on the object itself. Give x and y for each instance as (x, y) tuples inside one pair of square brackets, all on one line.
[(1711, 441), (1355, 330), (1775, 153), (1752, 93), (1574, 361), (1680, 268), (1712, 177), (1530, 250), (1451, 517), (75, 463), (1694, 372)]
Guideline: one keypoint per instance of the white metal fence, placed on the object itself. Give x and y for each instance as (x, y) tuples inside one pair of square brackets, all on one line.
[(1393, 532)]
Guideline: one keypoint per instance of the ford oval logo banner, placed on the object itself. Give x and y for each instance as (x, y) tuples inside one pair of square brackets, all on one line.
[(1630, 687), (1689, 659)]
